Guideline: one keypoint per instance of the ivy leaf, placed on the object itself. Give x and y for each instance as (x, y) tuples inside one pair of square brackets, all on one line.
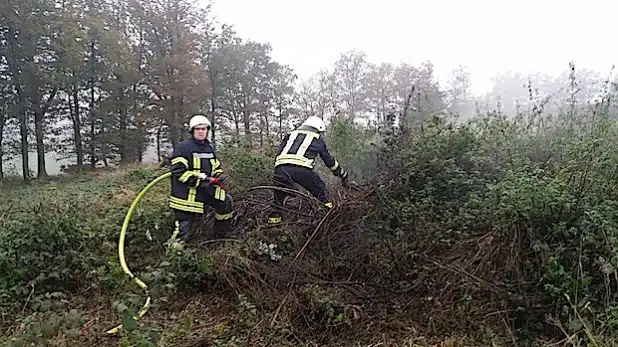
[(129, 323)]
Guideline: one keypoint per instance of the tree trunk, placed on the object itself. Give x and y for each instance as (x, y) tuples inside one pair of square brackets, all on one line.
[(39, 132), (280, 106), (2, 121), (93, 160), (141, 132), (140, 151), (77, 125), (40, 145), (123, 141), (23, 132), (237, 126), (23, 118), (212, 119), (267, 125), (40, 110), (247, 123), (174, 135), (159, 144)]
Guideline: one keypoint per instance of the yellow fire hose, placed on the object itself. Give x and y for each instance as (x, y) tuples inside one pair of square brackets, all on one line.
[(123, 263)]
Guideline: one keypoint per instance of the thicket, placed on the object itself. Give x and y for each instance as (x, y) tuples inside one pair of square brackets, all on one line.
[(500, 229)]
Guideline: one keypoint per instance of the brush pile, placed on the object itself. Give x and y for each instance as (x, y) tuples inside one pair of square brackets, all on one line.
[(343, 266)]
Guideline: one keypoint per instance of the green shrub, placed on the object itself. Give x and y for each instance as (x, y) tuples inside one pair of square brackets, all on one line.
[(46, 251), (547, 188)]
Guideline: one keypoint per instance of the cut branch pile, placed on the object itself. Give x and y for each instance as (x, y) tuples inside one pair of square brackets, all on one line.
[(339, 266)]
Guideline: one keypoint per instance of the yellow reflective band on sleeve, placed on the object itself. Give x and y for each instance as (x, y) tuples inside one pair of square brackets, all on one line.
[(215, 167), (334, 167), (219, 194), (188, 174), (185, 176), (329, 204), (224, 216), (180, 160)]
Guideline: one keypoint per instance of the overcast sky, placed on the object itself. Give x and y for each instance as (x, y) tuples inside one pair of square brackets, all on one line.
[(487, 36)]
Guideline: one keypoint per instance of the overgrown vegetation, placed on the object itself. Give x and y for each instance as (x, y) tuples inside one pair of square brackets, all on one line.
[(498, 229)]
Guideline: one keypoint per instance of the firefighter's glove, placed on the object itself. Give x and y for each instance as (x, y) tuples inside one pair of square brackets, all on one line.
[(223, 179), (204, 180), (344, 178)]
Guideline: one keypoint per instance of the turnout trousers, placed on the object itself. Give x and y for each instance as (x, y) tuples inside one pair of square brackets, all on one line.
[(285, 176), (185, 221)]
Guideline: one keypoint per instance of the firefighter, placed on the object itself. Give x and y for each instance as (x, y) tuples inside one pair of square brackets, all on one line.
[(296, 155), (197, 182)]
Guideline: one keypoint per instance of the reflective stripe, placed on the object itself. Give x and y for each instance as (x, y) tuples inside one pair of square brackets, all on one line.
[(197, 184), (187, 202), (186, 208), (185, 176), (310, 136), (305, 145), (329, 204), (215, 167), (197, 162), (180, 160), (294, 159), (219, 194), (274, 220), (297, 158), (188, 174), (308, 133), (224, 216), (192, 194), (207, 155), (334, 167)]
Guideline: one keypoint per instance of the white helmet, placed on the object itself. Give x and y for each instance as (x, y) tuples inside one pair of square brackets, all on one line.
[(199, 119), (315, 122)]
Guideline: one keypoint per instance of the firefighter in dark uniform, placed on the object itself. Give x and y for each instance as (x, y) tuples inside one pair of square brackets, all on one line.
[(294, 164), (197, 180)]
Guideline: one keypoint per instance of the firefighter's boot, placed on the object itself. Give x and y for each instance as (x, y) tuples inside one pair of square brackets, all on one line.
[(223, 228), (274, 218)]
